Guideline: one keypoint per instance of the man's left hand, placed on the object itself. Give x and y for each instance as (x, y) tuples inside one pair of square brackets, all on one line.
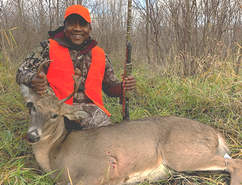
[(129, 83)]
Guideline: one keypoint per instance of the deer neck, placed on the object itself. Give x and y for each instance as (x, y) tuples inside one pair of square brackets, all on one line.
[(44, 147)]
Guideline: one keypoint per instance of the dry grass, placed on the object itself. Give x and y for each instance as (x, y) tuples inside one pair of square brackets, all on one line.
[(211, 96)]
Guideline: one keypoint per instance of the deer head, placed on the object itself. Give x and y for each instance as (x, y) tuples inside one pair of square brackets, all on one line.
[(47, 111)]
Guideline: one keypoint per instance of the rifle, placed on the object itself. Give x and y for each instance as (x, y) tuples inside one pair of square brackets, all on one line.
[(127, 66)]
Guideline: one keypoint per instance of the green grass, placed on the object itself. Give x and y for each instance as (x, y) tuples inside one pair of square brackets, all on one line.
[(212, 98)]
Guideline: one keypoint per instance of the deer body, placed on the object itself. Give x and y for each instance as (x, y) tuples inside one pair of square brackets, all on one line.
[(133, 151), (124, 153)]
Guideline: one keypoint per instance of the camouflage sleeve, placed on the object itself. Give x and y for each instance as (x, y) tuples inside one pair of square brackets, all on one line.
[(111, 84), (29, 67)]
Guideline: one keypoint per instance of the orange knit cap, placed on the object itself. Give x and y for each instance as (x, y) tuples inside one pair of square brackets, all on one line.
[(80, 10)]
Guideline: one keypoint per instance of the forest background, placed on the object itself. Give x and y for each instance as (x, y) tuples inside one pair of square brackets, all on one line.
[(186, 57)]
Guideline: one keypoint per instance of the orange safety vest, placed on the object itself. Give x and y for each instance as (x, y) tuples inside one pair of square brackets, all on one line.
[(61, 69)]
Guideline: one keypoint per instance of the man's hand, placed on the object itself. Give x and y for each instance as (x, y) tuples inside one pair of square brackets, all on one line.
[(129, 83), (38, 83)]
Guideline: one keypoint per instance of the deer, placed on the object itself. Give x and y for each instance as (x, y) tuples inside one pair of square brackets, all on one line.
[(128, 152)]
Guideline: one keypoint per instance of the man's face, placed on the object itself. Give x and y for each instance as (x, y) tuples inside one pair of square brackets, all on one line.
[(77, 29)]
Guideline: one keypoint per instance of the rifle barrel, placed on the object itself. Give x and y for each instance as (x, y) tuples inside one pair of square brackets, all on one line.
[(128, 66)]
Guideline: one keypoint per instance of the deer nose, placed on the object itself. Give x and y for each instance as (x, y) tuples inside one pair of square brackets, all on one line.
[(33, 136)]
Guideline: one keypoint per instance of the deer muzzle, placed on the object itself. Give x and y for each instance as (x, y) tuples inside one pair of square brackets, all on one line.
[(33, 136)]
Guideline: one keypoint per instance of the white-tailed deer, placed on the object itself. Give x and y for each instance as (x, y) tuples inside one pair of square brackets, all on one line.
[(123, 153)]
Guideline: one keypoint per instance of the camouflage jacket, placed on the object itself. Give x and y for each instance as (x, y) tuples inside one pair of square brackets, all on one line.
[(81, 58)]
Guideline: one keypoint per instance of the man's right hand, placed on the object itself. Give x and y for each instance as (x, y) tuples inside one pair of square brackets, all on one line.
[(38, 83)]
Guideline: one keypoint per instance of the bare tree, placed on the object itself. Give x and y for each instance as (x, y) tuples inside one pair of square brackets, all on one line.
[(147, 31), (191, 29), (57, 12), (191, 32)]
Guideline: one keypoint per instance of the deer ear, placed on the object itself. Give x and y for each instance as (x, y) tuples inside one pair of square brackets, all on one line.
[(73, 113), (28, 94)]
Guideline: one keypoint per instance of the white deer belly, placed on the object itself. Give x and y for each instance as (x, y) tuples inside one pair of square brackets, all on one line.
[(155, 174)]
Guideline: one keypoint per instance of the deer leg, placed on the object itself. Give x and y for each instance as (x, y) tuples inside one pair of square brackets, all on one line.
[(196, 163), (234, 167), (210, 163)]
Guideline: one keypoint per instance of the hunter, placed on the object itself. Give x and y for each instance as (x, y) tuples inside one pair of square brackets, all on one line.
[(73, 51)]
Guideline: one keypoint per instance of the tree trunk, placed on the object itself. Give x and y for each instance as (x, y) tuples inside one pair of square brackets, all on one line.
[(147, 31), (57, 13)]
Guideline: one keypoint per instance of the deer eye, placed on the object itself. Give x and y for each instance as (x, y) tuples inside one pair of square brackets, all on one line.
[(29, 104), (31, 107), (55, 116)]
